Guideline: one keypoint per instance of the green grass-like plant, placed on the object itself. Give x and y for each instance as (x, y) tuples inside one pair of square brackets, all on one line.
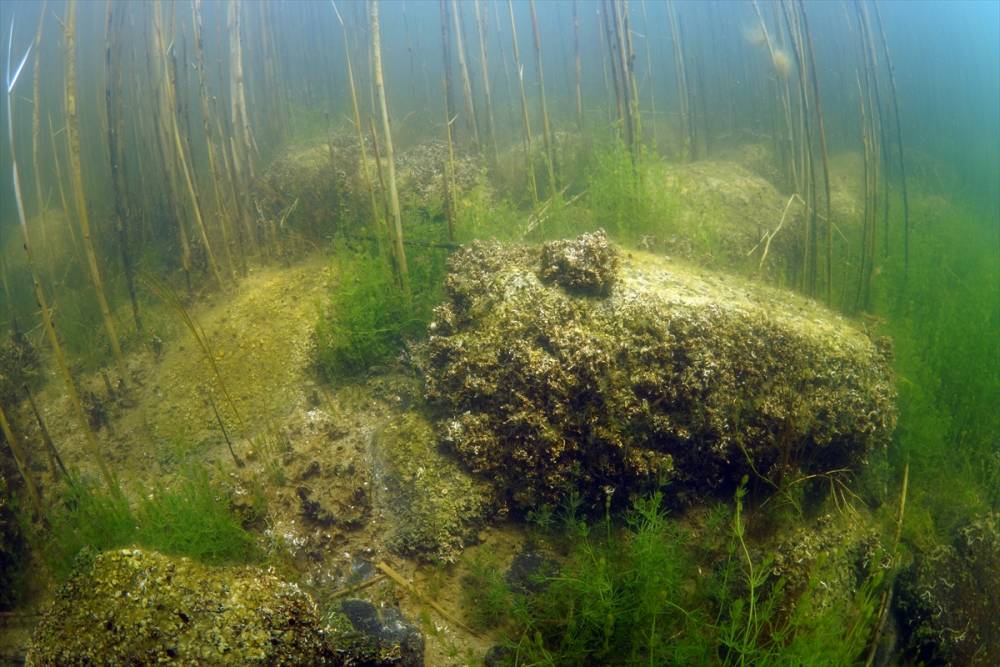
[(623, 197), (368, 317), (190, 518), (642, 590)]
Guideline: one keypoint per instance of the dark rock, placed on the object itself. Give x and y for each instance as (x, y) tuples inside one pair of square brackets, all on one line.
[(497, 656), (528, 571), (370, 636), (312, 509)]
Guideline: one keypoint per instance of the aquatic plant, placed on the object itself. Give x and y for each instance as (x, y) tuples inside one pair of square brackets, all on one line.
[(190, 517), (368, 317), (59, 357), (622, 195), (629, 590)]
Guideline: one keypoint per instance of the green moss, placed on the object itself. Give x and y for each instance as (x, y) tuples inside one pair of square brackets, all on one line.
[(625, 199), (368, 317), (190, 517)]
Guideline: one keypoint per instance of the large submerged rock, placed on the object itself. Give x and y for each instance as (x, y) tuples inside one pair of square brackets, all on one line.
[(666, 374)]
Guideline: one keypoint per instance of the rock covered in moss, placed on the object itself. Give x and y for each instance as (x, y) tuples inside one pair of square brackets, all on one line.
[(948, 601), (829, 560), (140, 607), (434, 506), (588, 263), (676, 375)]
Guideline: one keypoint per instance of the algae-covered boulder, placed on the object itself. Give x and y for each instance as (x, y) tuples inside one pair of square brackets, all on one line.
[(138, 607), (433, 506), (948, 601), (676, 375)]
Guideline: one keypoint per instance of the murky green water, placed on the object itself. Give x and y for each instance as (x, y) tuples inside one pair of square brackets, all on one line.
[(465, 332)]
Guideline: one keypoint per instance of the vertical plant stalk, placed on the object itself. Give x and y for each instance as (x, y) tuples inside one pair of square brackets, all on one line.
[(76, 176), (886, 600), (62, 191), (463, 68), (57, 352), (616, 111), (823, 154), (503, 59), (449, 179), (625, 75), (377, 226), (36, 125), (681, 76), (487, 93), (112, 75), (213, 161), (784, 98), (649, 74), (899, 143), (449, 93), (810, 261), (383, 189), (161, 112), (577, 65), (56, 465), (179, 147), (22, 463), (240, 118), (525, 116), (629, 54), (546, 126), (404, 274)]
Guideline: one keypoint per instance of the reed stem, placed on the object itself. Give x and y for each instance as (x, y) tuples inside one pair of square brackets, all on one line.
[(76, 177), (397, 236)]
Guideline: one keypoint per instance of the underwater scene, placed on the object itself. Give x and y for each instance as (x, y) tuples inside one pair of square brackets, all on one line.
[(500, 332)]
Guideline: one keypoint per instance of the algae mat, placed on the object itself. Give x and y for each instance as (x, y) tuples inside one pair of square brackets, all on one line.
[(260, 337), (260, 340)]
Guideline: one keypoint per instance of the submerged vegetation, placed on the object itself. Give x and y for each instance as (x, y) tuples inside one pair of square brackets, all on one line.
[(191, 517), (643, 589), (709, 292)]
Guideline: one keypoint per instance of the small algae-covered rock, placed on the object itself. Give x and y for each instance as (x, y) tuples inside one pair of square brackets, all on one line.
[(136, 607), (675, 375), (829, 559), (434, 507), (588, 263), (948, 601)]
